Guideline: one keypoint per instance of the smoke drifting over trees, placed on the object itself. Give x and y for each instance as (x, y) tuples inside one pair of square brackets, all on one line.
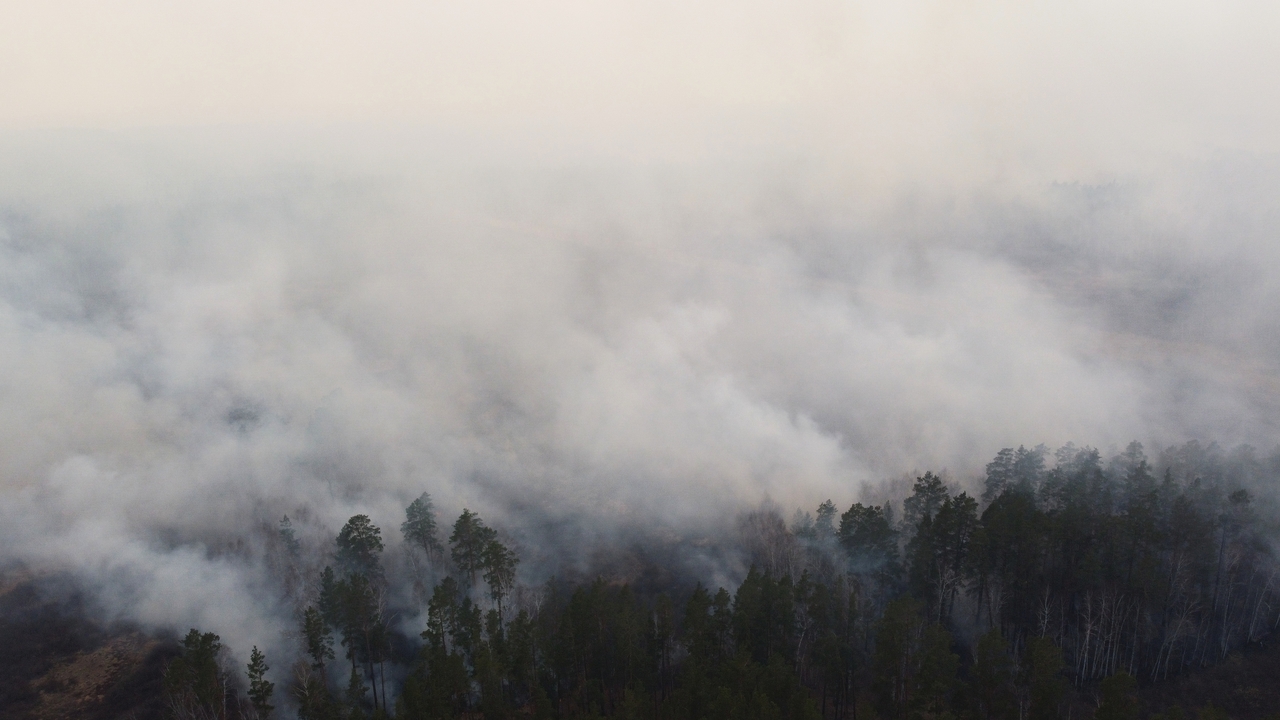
[(1080, 574), (635, 288), (613, 367), (574, 353)]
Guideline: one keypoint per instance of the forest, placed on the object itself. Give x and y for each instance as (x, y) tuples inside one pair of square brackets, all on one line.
[(1066, 580)]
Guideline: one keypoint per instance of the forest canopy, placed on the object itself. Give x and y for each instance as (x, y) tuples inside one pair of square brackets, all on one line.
[(1062, 576)]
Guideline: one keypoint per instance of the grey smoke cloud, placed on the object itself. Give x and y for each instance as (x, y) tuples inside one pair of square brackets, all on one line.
[(601, 344), (642, 271)]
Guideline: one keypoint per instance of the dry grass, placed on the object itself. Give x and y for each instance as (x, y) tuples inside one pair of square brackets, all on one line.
[(78, 687)]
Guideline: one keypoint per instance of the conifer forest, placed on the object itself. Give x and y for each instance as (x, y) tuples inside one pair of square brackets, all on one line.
[(1061, 574)]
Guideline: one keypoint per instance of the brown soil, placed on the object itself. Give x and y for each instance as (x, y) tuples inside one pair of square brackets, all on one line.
[(56, 662), (79, 686)]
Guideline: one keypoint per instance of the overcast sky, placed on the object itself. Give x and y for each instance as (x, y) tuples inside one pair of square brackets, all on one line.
[(1069, 89)]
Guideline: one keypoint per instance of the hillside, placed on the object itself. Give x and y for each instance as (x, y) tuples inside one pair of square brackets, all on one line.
[(56, 663)]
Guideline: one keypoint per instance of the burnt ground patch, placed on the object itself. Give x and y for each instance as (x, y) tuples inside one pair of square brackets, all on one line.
[(57, 661)]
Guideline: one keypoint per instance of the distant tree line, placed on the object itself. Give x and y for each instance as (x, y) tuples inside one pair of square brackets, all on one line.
[(1078, 578)]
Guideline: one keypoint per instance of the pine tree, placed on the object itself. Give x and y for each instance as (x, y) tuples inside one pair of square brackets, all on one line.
[(469, 540), (319, 641), (194, 683), (953, 530), (355, 694), (419, 527), (896, 657), (825, 523), (330, 601), (992, 678), (870, 541), (927, 496), (935, 674), (289, 537), (359, 545), (1028, 468), (363, 628), (499, 564), (1046, 687), (260, 689), (999, 475)]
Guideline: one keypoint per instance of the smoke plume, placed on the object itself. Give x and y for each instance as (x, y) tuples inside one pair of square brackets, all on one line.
[(631, 274)]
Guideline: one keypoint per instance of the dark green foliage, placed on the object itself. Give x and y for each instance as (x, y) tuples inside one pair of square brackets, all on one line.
[(499, 564), (351, 606), (831, 643), (764, 617), (739, 654), (356, 693), (440, 683), (938, 554), (1127, 568), (999, 475), (1007, 555), (870, 542), (1116, 700), (1066, 575), (914, 670), (598, 650), (1020, 470), (708, 624), (419, 527), (1061, 583), (364, 631), (319, 642), (825, 523), (359, 546), (468, 542), (194, 682), (992, 677), (935, 676), (260, 689), (1046, 686), (1028, 468), (926, 499), (312, 697), (330, 601)]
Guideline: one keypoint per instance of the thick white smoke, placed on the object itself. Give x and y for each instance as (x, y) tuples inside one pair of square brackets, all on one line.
[(643, 269)]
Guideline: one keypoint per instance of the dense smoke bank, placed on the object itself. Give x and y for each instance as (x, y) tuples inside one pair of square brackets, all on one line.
[(643, 286), (582, 350)]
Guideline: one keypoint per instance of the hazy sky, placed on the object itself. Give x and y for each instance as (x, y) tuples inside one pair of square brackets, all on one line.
[(637, 262), (1068, 89)]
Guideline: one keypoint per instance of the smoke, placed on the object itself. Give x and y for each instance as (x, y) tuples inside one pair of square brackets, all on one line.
[(629, 275)]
